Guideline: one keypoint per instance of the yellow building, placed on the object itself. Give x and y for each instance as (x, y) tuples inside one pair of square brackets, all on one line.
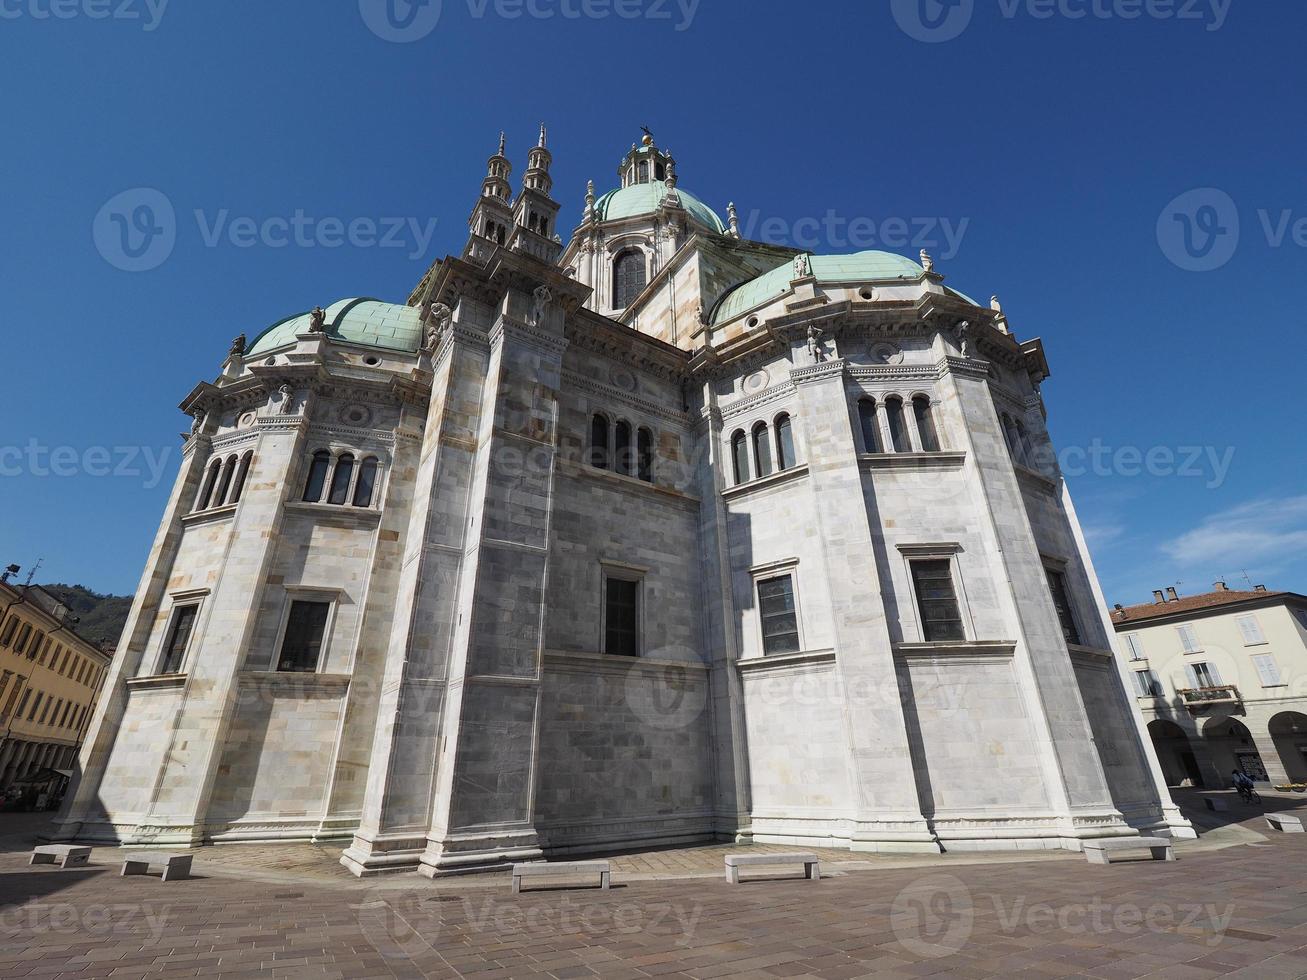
[(49, 681)]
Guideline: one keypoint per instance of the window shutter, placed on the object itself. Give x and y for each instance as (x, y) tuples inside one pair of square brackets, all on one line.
[(1136, 647), (1188, 639), (1251, 630), (1191, 676), (1267, 669)]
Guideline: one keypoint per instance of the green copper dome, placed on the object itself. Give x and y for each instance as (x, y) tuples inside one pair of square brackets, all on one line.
[(641, 199), (861, 267), (368, 322)]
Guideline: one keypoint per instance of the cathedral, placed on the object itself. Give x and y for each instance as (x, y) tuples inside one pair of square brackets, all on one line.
[(649, 537)]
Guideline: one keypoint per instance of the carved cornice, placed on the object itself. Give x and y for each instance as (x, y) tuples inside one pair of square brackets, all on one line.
[(627, 346), (576, 380), (527, 335), (751, 403), (818, 372)]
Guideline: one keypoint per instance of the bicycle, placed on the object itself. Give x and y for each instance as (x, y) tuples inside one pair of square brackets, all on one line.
[(1249, 795)]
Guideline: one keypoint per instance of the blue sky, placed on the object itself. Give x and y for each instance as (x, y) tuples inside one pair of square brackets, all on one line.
[(1045, 150)]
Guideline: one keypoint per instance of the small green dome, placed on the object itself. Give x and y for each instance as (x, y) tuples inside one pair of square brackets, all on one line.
[(861, 267), (368, 322), (641, 199)]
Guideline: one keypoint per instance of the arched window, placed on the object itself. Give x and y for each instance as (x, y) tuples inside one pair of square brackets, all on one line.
[(869, 423), (784, 442), (241, 475), (925, 424), (544, 225), (340, 479), (898, 428), (599, 442), (224, 484), (740, 456), (367, 482), (660, 172), (762, 449), (1024, 447), (206, 489), (642, 172), (501, 233), (622, 448), (317, 476), (644, 445), (628, 277)]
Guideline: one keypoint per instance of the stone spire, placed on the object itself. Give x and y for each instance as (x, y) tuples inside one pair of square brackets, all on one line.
[(733, 219), (534, 210), (537, 168), (492, 217), (589, 201)]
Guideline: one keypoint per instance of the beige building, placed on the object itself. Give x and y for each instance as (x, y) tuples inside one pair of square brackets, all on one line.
[(49, 680), (1221, 680)]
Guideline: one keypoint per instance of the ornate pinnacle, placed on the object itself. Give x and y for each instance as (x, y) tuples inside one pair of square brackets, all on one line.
[(734, 219), (542, 134), (501, 142)]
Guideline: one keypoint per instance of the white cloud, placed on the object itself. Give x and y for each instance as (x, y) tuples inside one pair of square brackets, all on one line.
[(1253, 532), (1100, 536)]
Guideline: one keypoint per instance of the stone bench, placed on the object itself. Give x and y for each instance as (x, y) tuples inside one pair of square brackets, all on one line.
[(542, 869), (175, 866), (1216, 805), (68, 855), (1284, 823), (1100, 851), (734, 862)]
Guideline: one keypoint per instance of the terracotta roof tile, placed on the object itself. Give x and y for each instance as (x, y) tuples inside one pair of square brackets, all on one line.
[(1189, 603)]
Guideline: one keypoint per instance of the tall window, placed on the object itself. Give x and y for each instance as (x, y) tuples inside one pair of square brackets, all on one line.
[(206, 490), (306, 628), (1147, 685), (622, 447), (241, 475), (941, 616), (599, 442), (1251, 630), (1062, 602), (628, 278), (870, 426), (366, 484), (784, 442), (1189, 639), (740, 456), (642, 172), (317, 480), (762, 449), (898, 427), (9, 629), (179, 637), (779, 615), (644, 469), (224, 484), (1135, 645), (340, 479), (1203, 675), (621, 617), (1267, 669), (926, 424)]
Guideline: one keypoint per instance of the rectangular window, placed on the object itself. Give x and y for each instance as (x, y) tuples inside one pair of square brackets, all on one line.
[(1147, 685), (23, 634), (23, 703), (11, 625), (1189, 639), (183, 622), (1135, 645), (1267, 669), (779, 615), (306, 628), (621, 617), (1062, 602), (1251, 630), (941, 617), (1203, 675), (36, 706)]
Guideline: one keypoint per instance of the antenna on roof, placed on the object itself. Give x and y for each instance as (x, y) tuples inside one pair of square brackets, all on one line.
[(32, 572), (1247, 578)]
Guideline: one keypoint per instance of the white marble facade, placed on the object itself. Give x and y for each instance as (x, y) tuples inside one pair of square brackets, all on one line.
[(463, 702)]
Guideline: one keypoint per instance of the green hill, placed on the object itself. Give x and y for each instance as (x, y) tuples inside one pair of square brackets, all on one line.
[(102, 616)]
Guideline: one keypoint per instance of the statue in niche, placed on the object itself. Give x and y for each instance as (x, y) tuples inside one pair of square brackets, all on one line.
[(815, 348), (543, 297)]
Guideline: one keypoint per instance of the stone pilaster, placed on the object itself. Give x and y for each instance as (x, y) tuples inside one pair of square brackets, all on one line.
[(888, 814)]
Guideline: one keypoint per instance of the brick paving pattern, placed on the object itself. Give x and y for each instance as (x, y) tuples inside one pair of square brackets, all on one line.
[(1239, 911)]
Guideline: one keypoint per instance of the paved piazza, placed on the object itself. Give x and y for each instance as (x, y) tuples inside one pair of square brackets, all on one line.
[(1235, 904)]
